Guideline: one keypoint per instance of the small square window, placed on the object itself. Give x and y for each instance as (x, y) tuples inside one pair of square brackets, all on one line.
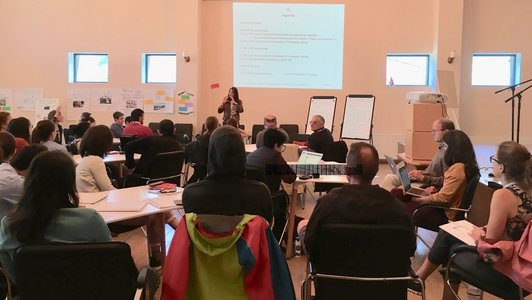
[(88, 67), (407, 69), (495, 69), (159, 68)]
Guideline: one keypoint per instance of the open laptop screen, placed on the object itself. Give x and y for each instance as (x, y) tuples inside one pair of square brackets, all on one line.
[(310, 158), (403, 172)]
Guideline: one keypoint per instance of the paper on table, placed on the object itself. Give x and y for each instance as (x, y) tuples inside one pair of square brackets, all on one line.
[(163, 202), (91, 198), (460, 230), (124, 205)]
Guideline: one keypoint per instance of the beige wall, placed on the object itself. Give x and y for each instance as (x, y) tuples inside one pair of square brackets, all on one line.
[(37, 35)]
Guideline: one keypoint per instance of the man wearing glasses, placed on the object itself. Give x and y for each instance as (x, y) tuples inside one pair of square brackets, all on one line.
[(270, 122), (433, 174)]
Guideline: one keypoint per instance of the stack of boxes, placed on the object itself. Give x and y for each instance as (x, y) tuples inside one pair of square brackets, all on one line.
[(419, 144)]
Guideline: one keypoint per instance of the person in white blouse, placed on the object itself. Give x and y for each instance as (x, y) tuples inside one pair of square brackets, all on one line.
[(92, 176), (44, 133)]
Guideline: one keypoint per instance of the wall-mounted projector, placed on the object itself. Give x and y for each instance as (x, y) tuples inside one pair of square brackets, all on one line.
[(425, 97)]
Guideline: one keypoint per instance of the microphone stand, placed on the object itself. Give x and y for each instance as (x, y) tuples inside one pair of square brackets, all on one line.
[(512, 87), (518, 96)]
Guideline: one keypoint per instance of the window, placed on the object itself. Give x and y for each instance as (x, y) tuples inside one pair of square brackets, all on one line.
[(495, 69), (407, 69), (159, 68), (88, 67)]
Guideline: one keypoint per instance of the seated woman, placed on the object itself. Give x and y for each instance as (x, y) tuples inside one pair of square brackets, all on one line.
[(462, 162), (91, 176), (510, 212), (20, 128), (197, 151), (45, 133), (48, 210)]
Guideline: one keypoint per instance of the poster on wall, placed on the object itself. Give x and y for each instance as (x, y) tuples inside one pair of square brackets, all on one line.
[(43, 107), (105, 100), (159, 101), (77, 102), (26, 99), (131, 99), (6, 96), (185, 103)]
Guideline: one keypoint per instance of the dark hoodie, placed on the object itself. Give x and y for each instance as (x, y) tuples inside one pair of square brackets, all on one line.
[(225, 191)]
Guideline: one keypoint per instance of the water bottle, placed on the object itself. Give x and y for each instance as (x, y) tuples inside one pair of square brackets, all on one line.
[(297, 247)]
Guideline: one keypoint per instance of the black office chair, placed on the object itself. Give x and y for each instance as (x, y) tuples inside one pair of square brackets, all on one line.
[(291, 129), (196, 157), (337, 152), (81, 271), (183, 132), (371, 261), (154, 126), (254, 131), (462, 210), (126, 139), (167, 167)]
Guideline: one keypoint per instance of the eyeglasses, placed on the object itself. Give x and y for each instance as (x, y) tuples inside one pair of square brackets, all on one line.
[(493, 159), (436, 130), (282, 148)]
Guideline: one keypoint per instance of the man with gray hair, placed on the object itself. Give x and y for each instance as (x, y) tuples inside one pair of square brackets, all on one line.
[(270, 122), (433, 174), (321, 140)]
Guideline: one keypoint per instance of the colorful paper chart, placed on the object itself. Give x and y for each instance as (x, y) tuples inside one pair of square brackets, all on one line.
[(185, 104)]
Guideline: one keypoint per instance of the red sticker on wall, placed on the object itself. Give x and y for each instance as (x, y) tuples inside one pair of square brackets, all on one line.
[(215, 85)]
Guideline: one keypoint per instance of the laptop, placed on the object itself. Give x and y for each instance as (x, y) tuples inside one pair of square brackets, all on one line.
[(393, 166), (407, 185), (307, 163)]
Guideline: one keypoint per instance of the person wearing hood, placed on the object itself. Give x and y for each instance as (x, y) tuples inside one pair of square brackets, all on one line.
[(225, 190)]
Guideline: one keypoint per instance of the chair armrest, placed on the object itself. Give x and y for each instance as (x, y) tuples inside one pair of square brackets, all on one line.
[(8, 285), (432, 204), (148, 282)]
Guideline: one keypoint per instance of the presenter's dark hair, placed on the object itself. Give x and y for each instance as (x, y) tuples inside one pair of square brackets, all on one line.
[(235, 92), (273, 137), (50, 185), (42, 131), (51, 116), (136, 114), (96, 141), (20, 127), (166, 127), (460, 150), (24, 157), (117, 115)]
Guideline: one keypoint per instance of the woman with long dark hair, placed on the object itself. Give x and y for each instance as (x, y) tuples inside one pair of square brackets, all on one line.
[(48, 210), (20, 128), (462, 162), (231, 106)]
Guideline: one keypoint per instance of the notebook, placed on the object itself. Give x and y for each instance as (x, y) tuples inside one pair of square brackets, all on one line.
[(393, 166), (121, 206), (407, 185), (164, 202), (91, 198), (460, 230)]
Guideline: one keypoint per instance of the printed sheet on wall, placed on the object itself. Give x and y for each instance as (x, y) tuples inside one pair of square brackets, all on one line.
[(159, 101)]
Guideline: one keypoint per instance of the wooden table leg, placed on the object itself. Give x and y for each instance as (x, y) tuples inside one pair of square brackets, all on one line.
[(291, 220)]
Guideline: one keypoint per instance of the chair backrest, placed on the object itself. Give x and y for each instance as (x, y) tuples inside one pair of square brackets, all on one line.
[(362, 250), (75, 271), (254, 130), (290, 128), (469, 193), (154, 126), (479, 211), (183, 132), (254, 173), (291, 153), (339, 151), (68, 137), (167, 166), (126, 139)]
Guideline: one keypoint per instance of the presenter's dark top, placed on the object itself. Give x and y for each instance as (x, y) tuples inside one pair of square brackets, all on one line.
[(321, 141)]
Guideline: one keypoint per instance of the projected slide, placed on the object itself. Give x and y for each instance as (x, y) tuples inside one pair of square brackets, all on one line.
[(288, 45)]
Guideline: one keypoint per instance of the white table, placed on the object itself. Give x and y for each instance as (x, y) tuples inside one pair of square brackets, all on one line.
[(110, 158)]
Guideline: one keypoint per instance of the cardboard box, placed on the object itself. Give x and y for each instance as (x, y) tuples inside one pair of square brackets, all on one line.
[(420, 116), (420, 145)]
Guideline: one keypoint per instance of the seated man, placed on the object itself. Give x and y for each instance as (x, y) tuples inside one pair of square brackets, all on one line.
[(135, 128), (269, 160), (225, 190), (358, 202), (321, 140), (433, 174), (117, 128), (270, 122), (150, 146)]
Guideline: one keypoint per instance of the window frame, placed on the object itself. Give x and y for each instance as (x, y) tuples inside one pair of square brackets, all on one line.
[(73, 66), (146, 66), (515, 71), (428, 56)]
